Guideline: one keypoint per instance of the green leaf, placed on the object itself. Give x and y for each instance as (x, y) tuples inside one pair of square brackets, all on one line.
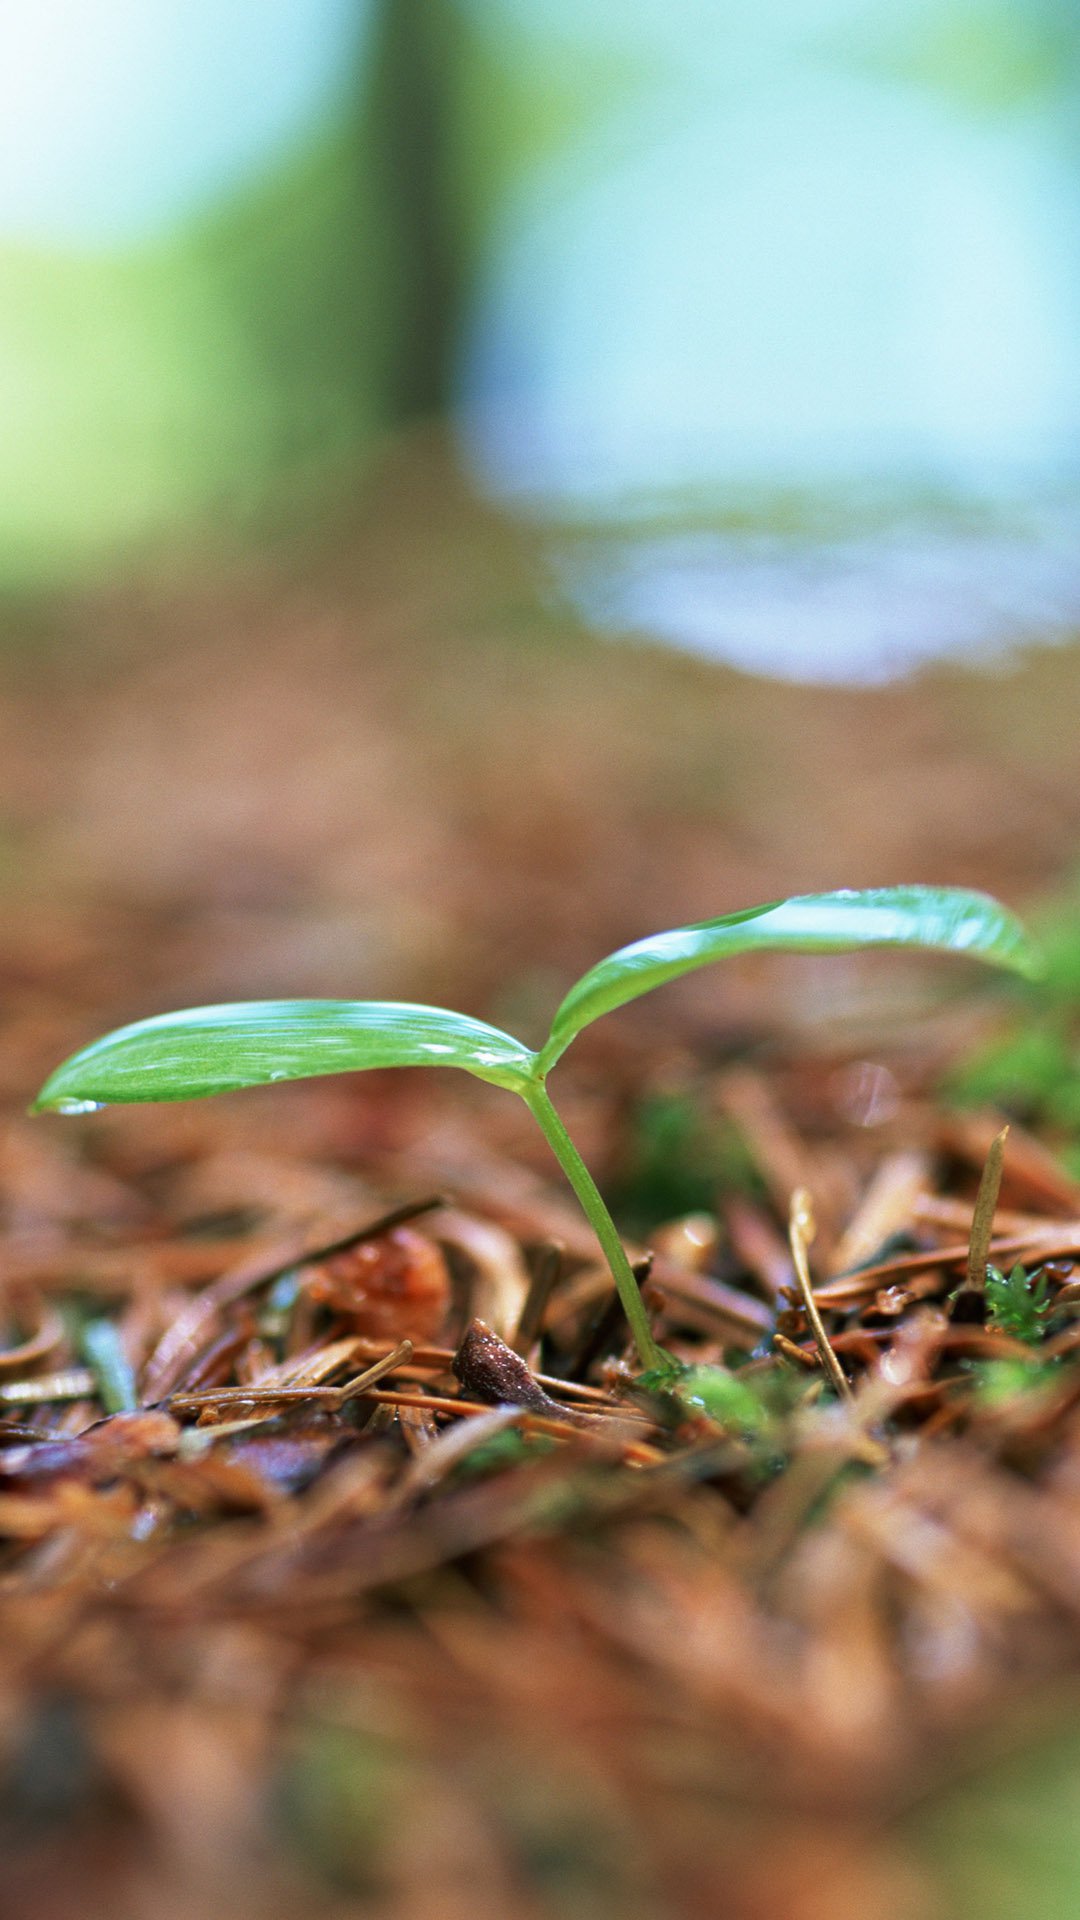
[(181, 1056), (943, 918)]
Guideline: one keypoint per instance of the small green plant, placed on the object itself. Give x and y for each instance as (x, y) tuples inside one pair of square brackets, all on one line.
[(181, 1056), (1018, 1302)]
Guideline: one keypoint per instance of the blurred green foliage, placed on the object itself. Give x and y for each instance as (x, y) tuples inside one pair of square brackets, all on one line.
[(164, 384), (1003, 1843), (1031, 1068), (250, 356), (989, 59), (342, 1794), (1000, 1383), (678, 1158)]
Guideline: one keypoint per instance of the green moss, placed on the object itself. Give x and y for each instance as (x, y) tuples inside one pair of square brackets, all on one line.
[(1019, 1303)]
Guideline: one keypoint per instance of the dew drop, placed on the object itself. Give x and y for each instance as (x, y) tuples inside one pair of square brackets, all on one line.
[(79, 1106)]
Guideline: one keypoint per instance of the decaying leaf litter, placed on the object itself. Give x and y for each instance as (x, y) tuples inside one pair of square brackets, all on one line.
[(377, 1483)]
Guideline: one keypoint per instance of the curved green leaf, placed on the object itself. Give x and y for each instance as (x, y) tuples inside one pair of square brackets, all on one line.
[(943, 918), (181, 1056)]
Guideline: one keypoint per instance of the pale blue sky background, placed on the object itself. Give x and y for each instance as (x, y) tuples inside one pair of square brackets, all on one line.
[(119, 117), (810, 248)]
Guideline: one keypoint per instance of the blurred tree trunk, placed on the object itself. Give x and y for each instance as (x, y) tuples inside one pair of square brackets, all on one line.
[(418, 47)]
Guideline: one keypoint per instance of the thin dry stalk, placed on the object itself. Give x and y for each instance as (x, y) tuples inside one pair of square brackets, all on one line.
[(801, 1233), (982, 1224)]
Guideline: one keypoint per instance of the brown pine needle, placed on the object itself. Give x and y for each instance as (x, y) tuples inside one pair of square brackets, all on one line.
[(73, 1383), (792, 1352), (291, 1396), (982, 1225), (800, 1235)]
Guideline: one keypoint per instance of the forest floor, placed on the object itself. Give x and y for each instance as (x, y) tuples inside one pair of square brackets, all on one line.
[(300, 1612)]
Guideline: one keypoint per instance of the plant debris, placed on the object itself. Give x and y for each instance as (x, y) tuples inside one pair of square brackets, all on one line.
[(276, 1502)]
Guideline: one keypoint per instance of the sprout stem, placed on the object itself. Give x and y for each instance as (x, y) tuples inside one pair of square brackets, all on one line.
[(600, 1220)]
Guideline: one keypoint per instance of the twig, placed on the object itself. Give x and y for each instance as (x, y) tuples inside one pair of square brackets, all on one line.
[(801, 1233)]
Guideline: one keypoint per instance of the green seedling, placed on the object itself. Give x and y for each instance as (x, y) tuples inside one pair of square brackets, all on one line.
[(1018, 1302), (182, 1056)]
